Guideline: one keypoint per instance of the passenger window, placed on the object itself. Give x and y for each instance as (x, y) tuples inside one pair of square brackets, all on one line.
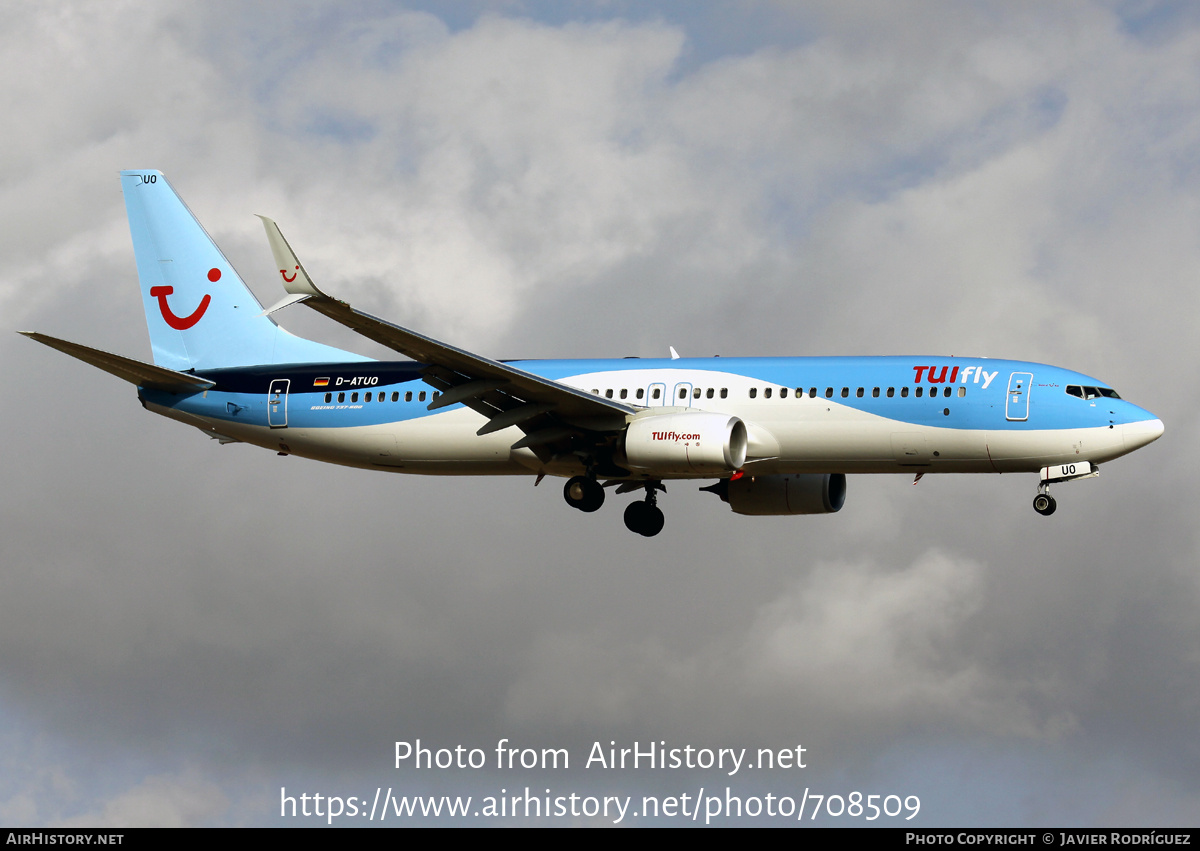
[(709, 394), (753, 392), (381, 395), (783, 392), (341, 397), (875, 393), (682, 392), (962, 390), (947, 393), (903, 392), (920, 390), (641, 393), (354, 397), (421, 396), (845, 392), (891, 392), (368, 399), (657, 392), (812, 393), (859, 394), (828, 392), (328, 398), (724, 392), (767, 393), (608, 393), (624, 393), (408, 396)]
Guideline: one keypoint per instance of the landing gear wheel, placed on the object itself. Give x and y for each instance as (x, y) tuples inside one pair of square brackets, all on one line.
[(1044, 504), (583, 493), (644, 519)]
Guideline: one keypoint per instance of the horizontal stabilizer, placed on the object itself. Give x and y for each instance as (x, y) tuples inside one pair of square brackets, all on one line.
[(128, 369)]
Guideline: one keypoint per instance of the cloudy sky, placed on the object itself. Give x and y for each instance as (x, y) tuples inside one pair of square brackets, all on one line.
[(185, 627)]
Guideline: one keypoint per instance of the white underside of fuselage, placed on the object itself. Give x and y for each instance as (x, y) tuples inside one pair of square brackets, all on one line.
[(827, 438)]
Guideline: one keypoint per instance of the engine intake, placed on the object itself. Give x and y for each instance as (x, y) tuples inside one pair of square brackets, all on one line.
[(686, 443)]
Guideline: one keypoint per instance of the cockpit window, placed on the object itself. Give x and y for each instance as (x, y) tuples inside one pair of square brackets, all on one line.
[(1091, 392)]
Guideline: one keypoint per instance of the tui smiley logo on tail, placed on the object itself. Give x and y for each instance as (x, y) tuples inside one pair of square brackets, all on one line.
[(182, 323), (285, 274)]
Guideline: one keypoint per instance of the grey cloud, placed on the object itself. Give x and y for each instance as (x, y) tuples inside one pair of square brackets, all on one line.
[(184, 622)]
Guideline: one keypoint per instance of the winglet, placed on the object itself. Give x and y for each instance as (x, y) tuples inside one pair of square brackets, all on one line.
[(674, 354), (295, 279)]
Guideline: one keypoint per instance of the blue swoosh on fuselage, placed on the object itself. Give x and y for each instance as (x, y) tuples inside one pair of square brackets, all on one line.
[(240, 394)]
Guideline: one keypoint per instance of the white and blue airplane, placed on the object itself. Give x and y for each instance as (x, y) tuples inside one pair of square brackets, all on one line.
[(779, 434)]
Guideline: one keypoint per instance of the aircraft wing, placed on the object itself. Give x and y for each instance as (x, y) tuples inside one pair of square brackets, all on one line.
[(133, 371), (548, 412)]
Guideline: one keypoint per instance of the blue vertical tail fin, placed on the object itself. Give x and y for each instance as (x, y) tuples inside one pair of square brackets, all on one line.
[(199, 312)]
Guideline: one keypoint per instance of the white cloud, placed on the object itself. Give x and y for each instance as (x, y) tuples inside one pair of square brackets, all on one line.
[(179, 800)]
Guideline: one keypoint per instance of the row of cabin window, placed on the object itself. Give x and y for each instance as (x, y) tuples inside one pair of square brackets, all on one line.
[(408, 396), (657, 393), (859, 393), (784, 391)]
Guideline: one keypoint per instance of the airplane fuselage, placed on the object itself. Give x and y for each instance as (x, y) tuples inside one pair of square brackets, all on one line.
[(802, 415)]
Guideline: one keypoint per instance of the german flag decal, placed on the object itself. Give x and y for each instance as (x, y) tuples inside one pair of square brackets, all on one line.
[(320, 382)]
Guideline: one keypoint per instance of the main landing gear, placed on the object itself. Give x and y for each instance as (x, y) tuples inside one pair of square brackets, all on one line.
[(584, 493), (643, 517)]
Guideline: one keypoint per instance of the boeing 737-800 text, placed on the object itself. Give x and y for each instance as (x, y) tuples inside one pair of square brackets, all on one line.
[(778, 434)]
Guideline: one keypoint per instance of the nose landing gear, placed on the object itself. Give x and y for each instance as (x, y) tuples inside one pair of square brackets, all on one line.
[(1043, 503)]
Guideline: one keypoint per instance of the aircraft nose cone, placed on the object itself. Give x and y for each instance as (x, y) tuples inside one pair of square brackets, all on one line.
[(1139, 434)]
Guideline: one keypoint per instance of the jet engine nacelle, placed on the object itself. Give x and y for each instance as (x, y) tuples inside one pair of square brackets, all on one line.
[(808, 493), (686, 443)]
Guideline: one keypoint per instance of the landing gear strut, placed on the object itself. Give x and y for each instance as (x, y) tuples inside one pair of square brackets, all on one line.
[(583, 493), (645, 517), (1043, 503)]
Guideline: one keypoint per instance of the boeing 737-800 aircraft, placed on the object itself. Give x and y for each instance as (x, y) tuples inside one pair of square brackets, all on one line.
[(778, 434)]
